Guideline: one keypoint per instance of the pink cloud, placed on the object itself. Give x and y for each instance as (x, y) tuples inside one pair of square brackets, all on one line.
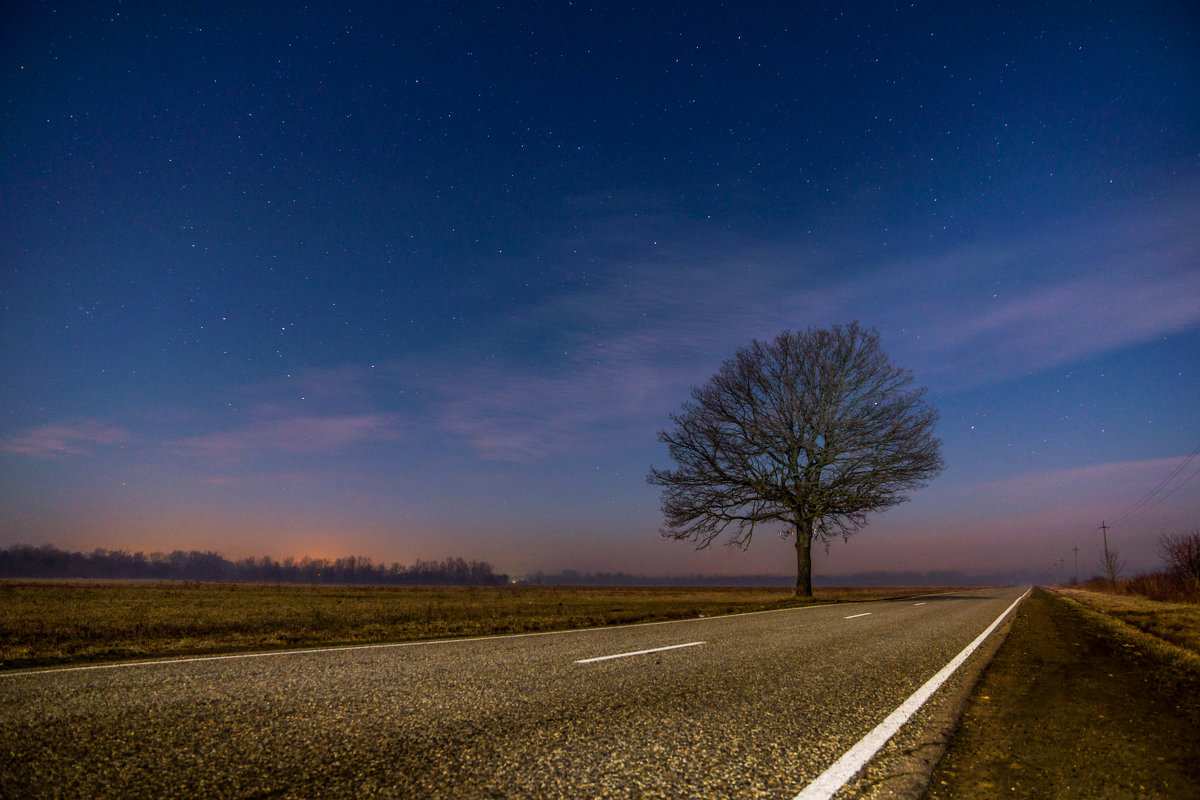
[(1057, 295), (525, 418), (1077, 496), (74, 438), (1072, 320), (301, 434), (284, 478)]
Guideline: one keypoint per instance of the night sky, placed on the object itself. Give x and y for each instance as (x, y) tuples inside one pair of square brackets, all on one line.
[(425, 281)]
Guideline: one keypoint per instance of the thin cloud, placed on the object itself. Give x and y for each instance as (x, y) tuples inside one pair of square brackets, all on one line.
[(1105, 489), (621, 350), (595, 364), (528, 417), (617, 355), (62, 439), (1066, 291), (1100, 287), (284, 478), (306, 435), (1058, 325)]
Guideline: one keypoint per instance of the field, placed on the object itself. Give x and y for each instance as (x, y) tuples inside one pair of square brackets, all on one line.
[(61, 622)]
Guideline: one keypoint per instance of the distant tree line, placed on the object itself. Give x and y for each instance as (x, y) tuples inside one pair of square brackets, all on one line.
[(26, 561)]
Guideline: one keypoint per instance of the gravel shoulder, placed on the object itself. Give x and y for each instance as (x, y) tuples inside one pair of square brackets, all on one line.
[(1077, 704)]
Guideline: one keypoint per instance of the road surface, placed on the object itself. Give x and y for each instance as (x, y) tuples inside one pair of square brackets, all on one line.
[(753, 705)]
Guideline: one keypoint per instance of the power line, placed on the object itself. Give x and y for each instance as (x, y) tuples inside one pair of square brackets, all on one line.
[(1146, 502), (1175, 488), (1149, 496), (1152, 498)]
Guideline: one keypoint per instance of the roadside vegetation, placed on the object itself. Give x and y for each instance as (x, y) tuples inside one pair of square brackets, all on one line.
[(1177, 623), (1165, 604), (61, 622), (1178, 581)]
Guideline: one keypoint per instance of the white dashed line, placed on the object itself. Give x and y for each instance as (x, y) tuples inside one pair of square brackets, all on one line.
[(856, 616), (162, 662), (918, 604), (637, 652)]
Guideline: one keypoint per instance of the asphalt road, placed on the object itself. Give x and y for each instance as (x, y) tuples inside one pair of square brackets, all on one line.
[(755, 705)]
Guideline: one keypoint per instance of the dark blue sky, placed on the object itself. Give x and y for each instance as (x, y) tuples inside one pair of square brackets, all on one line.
[(419, 282)]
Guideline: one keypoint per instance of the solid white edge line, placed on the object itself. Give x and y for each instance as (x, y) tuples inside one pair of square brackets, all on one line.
[(856, 616), (854, 759), (637, 652)]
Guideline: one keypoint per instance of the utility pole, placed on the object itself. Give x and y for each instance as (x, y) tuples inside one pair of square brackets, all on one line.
[(1076, 563), (1107, 560)]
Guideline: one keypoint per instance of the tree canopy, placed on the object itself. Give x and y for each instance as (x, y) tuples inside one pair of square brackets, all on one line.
[(812, 430)]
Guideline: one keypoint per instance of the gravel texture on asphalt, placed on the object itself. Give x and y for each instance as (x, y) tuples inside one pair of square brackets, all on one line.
[(759, 710)]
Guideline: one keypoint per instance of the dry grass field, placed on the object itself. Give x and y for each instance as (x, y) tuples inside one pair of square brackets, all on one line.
[(58, 622), (1177, 623)]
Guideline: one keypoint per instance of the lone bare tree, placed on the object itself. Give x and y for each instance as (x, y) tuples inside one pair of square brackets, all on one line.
[(1112, 564), (812, 430)]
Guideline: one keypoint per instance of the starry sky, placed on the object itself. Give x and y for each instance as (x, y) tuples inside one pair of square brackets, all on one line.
[(424, 279)]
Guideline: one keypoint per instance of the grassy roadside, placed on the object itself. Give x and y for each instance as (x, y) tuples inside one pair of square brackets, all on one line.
[(45, 623), (1078, 703), (1176, 623)]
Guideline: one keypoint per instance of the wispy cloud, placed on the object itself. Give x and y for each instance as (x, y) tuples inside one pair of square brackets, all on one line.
[(526, 417), (592, 364), (292, 434), (68, 438), (273, 431), (284, 478), (581, 367), (623, 347), (1106, 490), (1085, 304)]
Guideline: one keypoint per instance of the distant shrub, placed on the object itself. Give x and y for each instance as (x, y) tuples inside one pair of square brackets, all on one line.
[(1178, 582), (1098, 583), (1181, 553), (1167, 586)]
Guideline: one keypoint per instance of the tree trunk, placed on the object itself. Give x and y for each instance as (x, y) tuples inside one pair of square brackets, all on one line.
[(804, 529)]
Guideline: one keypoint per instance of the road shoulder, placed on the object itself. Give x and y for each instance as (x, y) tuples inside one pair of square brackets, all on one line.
[(1070, 707)]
